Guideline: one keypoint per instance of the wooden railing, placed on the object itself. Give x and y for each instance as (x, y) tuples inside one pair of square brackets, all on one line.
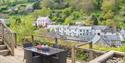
[(9, 37), (104, 57)]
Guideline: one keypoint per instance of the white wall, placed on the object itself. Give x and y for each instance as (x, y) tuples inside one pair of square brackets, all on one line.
[(84, 32)]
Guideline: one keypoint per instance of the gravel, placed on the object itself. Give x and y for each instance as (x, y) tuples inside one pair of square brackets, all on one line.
[(115, 60)]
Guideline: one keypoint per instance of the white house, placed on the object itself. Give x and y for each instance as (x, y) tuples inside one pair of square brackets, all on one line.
[(42, 22)]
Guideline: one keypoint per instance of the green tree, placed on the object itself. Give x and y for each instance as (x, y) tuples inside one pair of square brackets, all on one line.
[(88, 21), (109, 5), (67, 12), (98, 4), (24, 26), (36, 5), (85, 5), (95, 20), (43, 12), (108, 15), (47, 3), (69, 21)]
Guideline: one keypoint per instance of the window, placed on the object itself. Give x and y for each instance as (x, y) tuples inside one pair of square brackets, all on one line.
[(87, 30), (80, 33), (69, 30), (80, 30), (87, 34), (75, 29), (83, 34), (83, 30)]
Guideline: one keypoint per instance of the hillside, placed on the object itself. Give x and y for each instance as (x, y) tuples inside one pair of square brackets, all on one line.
[(22, 13)]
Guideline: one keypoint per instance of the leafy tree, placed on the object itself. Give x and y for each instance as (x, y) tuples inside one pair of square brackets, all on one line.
[(89, 21), (108, 15), (36, 5), (95, 20), (69, 21), (109, 5), (98, 4), (21, 9), (24, 26), (84, 5), (67, 12), (47, 3), (43, 12)]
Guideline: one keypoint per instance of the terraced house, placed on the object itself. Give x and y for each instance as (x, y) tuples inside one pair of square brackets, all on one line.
[(95, 34), (81, 33)]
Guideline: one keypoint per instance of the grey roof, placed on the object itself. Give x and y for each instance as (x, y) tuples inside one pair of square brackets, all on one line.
[(122, 32), (109, 39), (100, 27)]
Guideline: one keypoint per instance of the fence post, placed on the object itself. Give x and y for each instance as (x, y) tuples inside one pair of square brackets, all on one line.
[(32, 37), (91, 54), (13, 44), (56, 40), (90, 45), (73, 54), (15, 38)]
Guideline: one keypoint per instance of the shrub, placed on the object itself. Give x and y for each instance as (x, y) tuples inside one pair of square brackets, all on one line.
[(3, 8), (80, 55)]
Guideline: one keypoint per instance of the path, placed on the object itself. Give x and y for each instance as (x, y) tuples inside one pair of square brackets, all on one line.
[(17, 58)]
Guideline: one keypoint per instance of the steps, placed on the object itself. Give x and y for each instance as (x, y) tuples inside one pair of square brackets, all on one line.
[(3, 48), (4, 52), (1, 42)]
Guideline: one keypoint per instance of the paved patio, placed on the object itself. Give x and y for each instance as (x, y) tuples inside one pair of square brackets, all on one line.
[(18, 57)]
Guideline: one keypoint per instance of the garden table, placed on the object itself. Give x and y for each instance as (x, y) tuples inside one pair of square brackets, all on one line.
[(47, 55)]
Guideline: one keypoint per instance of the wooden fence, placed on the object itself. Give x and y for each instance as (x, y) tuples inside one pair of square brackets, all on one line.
[(103, 58), (9, 37), (93, 55)]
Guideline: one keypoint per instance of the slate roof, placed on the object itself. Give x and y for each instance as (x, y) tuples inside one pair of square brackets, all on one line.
[(70, 27), (122, 32), (111, 37), (100, 27), (107, 39)]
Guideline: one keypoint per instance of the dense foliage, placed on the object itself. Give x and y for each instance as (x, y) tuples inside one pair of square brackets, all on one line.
[(89, 12)]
